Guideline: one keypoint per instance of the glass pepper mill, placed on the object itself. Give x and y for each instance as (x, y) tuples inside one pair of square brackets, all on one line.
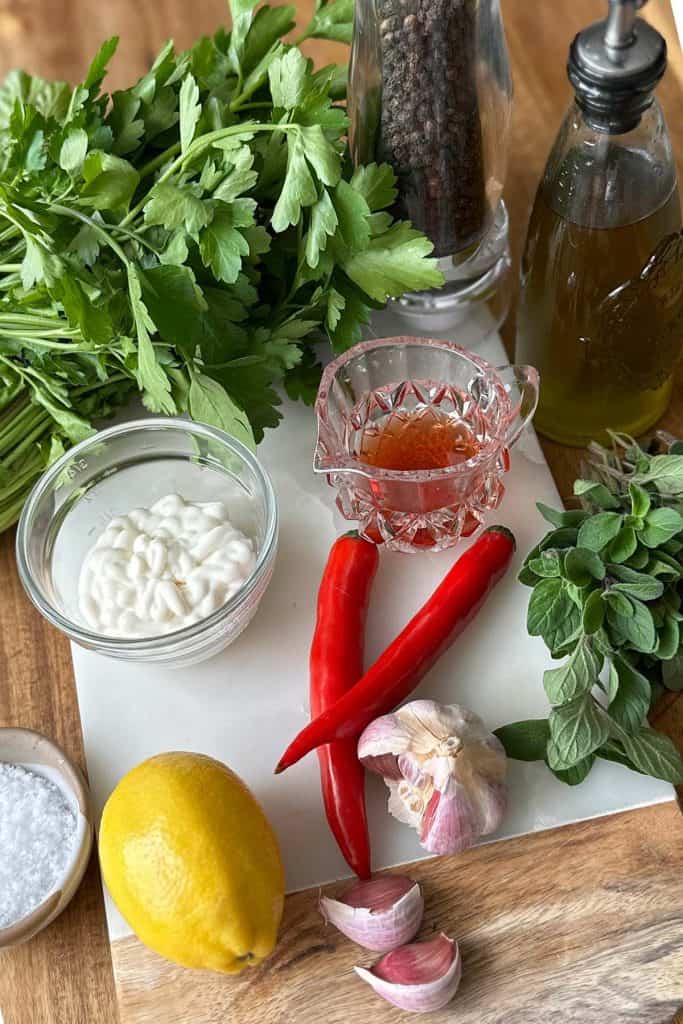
[(601, 308), (430, 93)]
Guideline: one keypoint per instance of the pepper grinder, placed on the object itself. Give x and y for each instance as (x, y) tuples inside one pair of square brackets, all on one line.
[(601, 306), (430, 93)]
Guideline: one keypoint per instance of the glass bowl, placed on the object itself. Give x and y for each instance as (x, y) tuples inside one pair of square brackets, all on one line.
[(377, 386), (132, 465)]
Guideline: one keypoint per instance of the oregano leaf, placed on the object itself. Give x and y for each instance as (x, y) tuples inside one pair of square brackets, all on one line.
[(563, 517), (623, 546), (552, 613), (578, 675), (582, 566), (631, 703), (577, 729), (640, 500), (595, 493), (526, 740), (597, 531), (661, 525), (547, 564), (575, 775), (654, 754), (593, 612)]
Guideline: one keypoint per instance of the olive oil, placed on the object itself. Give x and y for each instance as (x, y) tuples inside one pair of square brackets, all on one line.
[(601, 309), (601, 317)]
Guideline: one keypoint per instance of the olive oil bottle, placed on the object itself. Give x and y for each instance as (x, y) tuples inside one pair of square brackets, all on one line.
[(601, 308)]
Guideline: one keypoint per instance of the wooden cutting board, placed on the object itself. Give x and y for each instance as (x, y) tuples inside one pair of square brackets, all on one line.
[(570, 926)]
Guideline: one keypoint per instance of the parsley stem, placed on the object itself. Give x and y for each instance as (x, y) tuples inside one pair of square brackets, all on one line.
[(66, 211), (15, 420), (252, 106), (25, 422), (159, 161), (25, 443), (19, 319), (44, 341), (21, 481), (9, 268), (196, 148)]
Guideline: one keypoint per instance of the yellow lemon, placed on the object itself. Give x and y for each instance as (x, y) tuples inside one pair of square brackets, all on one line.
[(192, 863)]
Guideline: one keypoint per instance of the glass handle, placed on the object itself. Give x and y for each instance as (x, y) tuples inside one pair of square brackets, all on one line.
[(522, 384)]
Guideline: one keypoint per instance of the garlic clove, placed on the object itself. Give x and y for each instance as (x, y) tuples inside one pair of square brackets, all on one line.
[(379, 914), (451, 823), (421, 977), (444, 770)]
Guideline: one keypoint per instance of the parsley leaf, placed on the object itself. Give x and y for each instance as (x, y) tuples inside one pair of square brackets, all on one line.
[(210, 403), (222, 245), (152, 380), (394, 263), (190, 111)]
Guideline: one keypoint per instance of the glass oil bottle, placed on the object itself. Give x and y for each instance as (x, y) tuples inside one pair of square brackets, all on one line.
[(601, 309)]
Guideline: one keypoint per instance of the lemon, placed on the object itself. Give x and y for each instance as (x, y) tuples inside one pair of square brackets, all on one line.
[(192, 863)]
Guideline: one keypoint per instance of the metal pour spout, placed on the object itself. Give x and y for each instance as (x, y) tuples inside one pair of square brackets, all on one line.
[(620, 21)]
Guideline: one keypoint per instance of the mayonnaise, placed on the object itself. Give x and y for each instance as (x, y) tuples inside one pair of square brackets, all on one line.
[(156, 570)]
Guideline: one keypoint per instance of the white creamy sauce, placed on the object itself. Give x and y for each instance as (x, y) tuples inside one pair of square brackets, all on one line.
[(156, 570)]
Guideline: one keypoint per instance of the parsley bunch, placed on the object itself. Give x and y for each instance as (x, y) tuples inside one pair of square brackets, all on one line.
[(607, 595), (190, 237)]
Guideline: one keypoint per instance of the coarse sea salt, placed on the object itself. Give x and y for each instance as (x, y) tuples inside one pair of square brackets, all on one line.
[(37, 837)]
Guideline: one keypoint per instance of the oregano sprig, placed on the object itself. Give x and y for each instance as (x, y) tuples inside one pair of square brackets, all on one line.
[(606, 599)]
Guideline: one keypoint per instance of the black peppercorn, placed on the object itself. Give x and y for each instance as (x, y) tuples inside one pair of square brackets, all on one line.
[(430, 125)]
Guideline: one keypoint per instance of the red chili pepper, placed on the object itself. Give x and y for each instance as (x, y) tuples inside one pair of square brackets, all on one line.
[(408, 658), (336, 664)]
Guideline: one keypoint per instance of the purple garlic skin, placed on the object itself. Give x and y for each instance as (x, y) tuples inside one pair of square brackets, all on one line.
[(420, 977), (445, 772), (379, 914)]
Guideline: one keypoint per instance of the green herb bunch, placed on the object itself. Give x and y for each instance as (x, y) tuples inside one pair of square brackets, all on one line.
[(606, 600), (190, 238)]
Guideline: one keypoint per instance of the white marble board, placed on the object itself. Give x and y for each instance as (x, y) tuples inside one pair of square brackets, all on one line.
[(244, 705)]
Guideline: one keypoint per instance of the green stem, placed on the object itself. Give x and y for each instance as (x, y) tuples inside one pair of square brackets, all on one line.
[(114, 378), (104, 236), (9, 516), (16, 428), (25, 443), (24, 424), (200, 144), (31, 320), (21, 481), (10, 268), (8, 234), (159, 161), (43, 341), (135, 236), (11, 400), (251, 106)]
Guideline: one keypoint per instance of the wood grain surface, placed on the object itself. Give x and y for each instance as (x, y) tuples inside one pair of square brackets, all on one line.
[(572, 925), (580, 924)]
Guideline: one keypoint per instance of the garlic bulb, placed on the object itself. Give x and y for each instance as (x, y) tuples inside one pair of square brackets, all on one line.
[(444, 769), (379, 914), (421, 977)]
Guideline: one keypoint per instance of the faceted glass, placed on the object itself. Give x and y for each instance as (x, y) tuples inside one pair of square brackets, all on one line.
[(379, 382)]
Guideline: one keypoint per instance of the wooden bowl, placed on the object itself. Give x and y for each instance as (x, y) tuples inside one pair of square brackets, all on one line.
[(30, 749)]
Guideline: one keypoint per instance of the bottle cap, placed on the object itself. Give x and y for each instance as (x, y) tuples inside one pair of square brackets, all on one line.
[(614, 66)]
